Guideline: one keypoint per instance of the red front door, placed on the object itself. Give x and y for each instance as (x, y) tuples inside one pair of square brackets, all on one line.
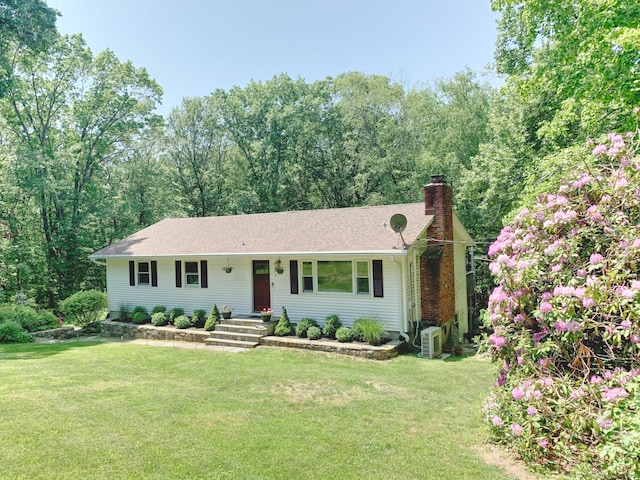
[(261, 285)]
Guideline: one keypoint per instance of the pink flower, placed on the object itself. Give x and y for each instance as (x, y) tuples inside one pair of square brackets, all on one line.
[(546, 307), (605, 423), (595, 258), (544, 443), (588, 302), (517, 393), (497, 421), (560, 326), (634, 338), (599, 150), (516, 429), (497, 341), (531, 411), (615, 394)]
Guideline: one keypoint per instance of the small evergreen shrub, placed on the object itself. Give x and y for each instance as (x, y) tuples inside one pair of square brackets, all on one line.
[(344, 334), (85, 307), (182, 322), (175, 312), (314, 333), (159, 319), (159, 308), (213, 319), (284, 327), (357, 333), (369, 330), (12, 332), (198, 318), (124, 312), (303, 325), (139, 315), (331, 324)]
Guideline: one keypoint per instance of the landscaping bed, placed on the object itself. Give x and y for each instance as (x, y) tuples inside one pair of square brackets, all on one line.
[(357, 349)]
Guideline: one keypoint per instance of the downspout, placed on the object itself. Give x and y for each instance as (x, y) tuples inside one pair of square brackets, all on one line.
[(403, 302)]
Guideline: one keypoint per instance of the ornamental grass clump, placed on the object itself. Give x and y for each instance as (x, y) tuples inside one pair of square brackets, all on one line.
[(565, 321)]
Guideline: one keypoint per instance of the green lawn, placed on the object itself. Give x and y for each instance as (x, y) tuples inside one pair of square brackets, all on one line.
[(115, 411)]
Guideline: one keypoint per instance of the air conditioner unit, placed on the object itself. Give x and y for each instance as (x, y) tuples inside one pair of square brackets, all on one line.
[(431, 338)]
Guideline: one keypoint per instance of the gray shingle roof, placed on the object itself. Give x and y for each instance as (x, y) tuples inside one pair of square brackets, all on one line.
[(353, 230)]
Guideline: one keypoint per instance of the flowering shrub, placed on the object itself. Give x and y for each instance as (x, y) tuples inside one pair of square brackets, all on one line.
[(565, 320)]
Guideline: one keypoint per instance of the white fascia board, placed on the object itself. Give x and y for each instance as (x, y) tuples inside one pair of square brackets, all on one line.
[(399, 251)]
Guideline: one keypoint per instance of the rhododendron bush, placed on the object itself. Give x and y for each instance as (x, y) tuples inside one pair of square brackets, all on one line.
[(565, 321)]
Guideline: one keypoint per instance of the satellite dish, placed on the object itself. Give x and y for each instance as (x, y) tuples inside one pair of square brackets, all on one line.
[(398, 223)]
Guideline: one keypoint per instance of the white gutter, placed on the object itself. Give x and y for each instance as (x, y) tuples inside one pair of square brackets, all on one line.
[(97, 261), (403, 300), (401, 252)]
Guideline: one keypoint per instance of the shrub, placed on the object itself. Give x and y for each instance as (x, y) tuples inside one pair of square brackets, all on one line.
[(181, 321), (12, 332), (344, 334), (284, 327), (159, 319), (198, 318), (213, 319), (46, 320), (314, 333), (139, 315), (357, 333), (159, 309), (84, 308), (124, 312), (331, 324), (369, 330), (175, 312), (565, 328), (303, 325)]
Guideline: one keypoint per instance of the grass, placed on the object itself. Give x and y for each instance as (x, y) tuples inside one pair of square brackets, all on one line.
[(121, 411)]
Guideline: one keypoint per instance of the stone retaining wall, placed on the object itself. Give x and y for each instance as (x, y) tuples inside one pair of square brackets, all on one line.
[(383, 352), (61, 333), (151, 332)]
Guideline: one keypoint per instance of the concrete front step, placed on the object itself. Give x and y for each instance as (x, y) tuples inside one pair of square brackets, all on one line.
[(244, 322), (249, 329), (226, 335), (226, 342)]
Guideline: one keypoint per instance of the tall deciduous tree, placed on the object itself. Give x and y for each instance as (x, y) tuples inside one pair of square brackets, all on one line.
[(71, 115), (24, 24), (575, 63)]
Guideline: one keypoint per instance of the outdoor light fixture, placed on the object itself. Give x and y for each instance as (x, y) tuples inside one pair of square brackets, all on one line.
[(279, 267)]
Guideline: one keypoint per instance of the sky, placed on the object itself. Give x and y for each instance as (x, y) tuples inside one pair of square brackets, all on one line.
[(193, 47)]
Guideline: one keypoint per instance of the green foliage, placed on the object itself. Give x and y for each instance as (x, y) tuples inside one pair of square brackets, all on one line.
[(314, 333), (344, 334), (303, 325), (124, 312), (331, 324), (181, 321), (159, 319), (175, 312), (159, 308), (369, 330), (140, 315), (198, 318), (213, 319), (565, 320), (27, 317), (284, 326), (12, 332), (84, 308)]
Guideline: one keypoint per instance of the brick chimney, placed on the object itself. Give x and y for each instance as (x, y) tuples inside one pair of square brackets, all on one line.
[(437, 287)]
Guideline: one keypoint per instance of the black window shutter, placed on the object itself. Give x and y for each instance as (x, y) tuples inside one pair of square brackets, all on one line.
[(204, 276), (178, 274), (132, 273), (378, 288), (154, 273), (293, 276)]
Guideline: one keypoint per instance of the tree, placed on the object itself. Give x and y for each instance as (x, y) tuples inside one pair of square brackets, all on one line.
[(70, 115), (24, 25), (575, 63)]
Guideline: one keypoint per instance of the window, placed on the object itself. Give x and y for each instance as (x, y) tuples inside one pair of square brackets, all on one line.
[(362, 277), (191, 271), (336, 276), (307, 276), (143, 273)]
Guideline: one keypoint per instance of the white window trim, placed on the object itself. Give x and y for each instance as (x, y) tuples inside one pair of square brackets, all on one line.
[(354, 277), (186, 275), (148, 273)]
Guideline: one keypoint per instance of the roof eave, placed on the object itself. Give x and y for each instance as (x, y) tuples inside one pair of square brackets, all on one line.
[(393, 251)]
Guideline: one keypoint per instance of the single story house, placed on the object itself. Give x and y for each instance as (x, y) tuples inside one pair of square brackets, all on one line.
[(401, 264)]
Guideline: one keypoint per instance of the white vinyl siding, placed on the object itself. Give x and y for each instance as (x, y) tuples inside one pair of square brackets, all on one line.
[(460, 276)]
